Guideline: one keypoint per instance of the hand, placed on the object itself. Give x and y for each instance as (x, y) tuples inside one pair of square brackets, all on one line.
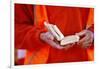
[(49, 39), (87, 38)]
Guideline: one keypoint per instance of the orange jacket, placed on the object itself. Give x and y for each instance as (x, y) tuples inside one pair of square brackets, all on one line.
[(28, 27)]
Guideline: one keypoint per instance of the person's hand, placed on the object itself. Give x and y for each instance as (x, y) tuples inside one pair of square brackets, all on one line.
[(49, 39), (87, 38)]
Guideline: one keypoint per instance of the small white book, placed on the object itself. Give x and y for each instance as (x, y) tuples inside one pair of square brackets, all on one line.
[(59, 36)]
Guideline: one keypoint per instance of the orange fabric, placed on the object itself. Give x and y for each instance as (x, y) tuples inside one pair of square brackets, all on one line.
[(37, 57), (40, 14), (90, 54), (27, 33), (69, 21), (40, 56), (28, 29), (90, 22)]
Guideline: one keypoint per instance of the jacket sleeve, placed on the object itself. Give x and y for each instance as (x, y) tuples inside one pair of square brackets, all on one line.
[(26, 33)]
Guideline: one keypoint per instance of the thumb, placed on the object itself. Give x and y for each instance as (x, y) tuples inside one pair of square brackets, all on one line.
[(81, 33), (49, 36)]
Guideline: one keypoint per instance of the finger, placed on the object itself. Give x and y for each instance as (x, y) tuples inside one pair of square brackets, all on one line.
[(69, 46), (54, 44), (81, 33), (82, 40), (49, 36), (73, 44), (86, 39), (59, 47), (86, 46), (86, 43)]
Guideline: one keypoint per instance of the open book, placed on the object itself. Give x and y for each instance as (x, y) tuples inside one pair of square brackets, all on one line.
[(59, 36)]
